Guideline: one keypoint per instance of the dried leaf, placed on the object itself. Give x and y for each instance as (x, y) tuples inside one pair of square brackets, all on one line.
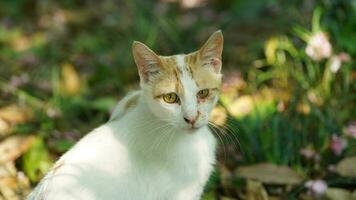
[(270, 173), (346, 167), (338, 194), (256, 191), (13, 184), (7, 169), (13, 147), (15, 114), (5, 128)]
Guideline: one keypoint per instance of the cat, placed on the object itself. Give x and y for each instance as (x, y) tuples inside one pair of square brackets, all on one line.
[(156, 144)]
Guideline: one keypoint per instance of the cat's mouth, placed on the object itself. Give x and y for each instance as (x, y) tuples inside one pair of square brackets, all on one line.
[(193, 128)]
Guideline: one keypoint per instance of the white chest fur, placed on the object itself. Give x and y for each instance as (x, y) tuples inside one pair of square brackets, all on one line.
[(132, 157)]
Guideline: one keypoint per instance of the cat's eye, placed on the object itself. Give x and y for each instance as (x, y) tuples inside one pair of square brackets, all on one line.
[(203, 93), (171, 98)]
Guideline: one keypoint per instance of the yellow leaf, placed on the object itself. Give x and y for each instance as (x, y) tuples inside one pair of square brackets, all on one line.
[(218, 116), (241, 106), (270, 50), (70, 82)]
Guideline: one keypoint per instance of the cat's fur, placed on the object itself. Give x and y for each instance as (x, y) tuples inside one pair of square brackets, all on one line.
[(149, 149)]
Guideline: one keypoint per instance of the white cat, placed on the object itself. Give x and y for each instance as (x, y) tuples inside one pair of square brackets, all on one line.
[(156, 145)]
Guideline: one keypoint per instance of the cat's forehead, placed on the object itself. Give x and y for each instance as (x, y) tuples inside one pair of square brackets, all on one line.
[(177, 62), (182, 71)]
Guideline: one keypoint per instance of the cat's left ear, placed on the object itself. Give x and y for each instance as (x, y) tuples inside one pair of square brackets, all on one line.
[(210, 52)]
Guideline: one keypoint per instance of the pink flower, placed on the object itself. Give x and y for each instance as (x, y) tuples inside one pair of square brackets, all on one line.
[(316, 187), (337, 144), (318, 47), (307, 153), (310, 154), (337, 60), (350, 130), (17, 81), (345, 57)]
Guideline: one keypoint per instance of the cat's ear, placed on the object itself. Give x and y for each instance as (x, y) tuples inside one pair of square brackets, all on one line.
[(148, 63), (210, 52)]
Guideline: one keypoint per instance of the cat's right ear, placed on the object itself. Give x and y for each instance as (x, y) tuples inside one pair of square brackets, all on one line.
[(148, 63)]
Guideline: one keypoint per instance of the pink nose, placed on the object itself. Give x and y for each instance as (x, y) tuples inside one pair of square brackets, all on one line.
[(190, 121)]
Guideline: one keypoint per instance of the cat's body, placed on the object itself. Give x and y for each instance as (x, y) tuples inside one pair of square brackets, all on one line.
[(143, 152), (177, 168)]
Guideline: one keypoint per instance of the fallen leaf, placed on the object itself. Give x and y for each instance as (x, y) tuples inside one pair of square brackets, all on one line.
[(5, 128), (346, 167), (338, 194), (270, 174), (13, 147), (256, 191), (15, 114), (13, 184)]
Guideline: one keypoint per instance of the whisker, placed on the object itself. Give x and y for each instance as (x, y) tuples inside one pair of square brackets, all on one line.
[(231, 134), (158, 137), (235, 135), (213, 128)]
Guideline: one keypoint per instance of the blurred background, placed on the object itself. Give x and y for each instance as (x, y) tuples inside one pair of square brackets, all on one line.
[(286, 119)]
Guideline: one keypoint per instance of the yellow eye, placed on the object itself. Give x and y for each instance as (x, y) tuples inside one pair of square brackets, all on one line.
[(203, 93), (171, 98)]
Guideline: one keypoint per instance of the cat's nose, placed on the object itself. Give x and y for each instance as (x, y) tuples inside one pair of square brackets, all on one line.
[(190, 120)]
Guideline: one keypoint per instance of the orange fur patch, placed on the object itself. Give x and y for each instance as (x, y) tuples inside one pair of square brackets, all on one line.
[(169, 81)]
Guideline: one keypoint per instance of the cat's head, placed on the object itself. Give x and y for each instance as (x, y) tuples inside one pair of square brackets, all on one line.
[(181, 89)]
